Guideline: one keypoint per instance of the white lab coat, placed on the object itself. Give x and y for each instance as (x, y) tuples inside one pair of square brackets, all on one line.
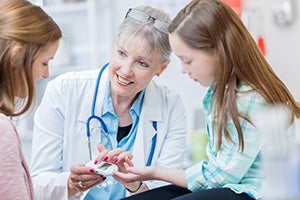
[(60, 141)]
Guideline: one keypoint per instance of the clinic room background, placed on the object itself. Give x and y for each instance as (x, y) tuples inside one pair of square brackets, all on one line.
[(90, 27)]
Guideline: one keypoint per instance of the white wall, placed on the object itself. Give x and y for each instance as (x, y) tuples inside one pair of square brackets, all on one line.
[(283, 47), (282, 42)]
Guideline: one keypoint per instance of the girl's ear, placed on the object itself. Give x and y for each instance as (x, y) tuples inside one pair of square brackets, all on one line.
[(163, 67)]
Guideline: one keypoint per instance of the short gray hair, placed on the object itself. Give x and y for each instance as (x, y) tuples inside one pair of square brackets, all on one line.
[(156, 40)]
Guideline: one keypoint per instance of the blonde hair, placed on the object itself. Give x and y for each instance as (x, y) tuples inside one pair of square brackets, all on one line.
[(156, 40), (28, 26), (211, 25)]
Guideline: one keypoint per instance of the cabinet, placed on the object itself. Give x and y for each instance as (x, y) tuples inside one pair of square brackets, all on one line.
[(87, 33)]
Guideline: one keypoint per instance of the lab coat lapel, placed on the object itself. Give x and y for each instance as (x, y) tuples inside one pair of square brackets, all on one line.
[(151, 111)]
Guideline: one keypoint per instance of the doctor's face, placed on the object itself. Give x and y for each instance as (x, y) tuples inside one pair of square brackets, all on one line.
[(132, 67)]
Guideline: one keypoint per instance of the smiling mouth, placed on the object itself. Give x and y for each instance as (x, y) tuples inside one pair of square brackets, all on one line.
[(123, 81)]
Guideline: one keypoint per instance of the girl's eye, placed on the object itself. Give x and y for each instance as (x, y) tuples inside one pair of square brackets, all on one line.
[(45, 64), (121, 53), (187, 62), (143, 64)]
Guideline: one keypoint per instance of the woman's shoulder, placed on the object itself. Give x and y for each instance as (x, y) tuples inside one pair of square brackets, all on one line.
[(76, 76), (8, 131), (75, 81), (5, 123)]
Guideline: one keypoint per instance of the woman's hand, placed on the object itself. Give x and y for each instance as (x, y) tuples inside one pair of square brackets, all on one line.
[(133, 174), (82, 178), (115, 156)]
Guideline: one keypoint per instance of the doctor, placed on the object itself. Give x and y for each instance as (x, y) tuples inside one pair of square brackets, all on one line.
[(136, 115)]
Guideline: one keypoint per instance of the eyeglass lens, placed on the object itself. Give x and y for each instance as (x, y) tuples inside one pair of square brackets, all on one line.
[(144, 17)]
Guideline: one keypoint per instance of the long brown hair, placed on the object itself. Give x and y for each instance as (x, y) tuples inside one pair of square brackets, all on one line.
[(211, 25), (28, 26)]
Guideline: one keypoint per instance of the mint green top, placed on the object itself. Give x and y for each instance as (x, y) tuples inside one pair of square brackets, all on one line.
[(229, 167)]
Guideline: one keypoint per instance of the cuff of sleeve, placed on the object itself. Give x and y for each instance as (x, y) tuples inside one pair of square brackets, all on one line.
[(136, 190), (194, 177)]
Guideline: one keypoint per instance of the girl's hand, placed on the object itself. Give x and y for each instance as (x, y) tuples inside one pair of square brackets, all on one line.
[(133, 174), (132, 178)]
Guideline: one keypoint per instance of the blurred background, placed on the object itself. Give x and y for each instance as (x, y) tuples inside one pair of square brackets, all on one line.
[(90, 27)]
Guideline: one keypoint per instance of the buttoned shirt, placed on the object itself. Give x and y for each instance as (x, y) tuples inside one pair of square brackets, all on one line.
[(229, 167), (105, 190)]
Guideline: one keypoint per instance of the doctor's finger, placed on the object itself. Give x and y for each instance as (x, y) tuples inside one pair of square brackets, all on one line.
[(83, 185), (102, 156), (92, 182), (78, 169), (100, 147), (115, 152), (122, 156), (80, 172), (85, 179), (113, 155)]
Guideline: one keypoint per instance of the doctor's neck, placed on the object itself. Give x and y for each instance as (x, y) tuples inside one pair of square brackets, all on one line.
[(122, 104)]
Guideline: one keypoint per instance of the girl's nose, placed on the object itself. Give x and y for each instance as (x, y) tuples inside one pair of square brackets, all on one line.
[(184, 69), (46, 72)]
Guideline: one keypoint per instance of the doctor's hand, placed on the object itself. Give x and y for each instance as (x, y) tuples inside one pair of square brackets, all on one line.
[(115, 156), (118, 157), (82, 178)]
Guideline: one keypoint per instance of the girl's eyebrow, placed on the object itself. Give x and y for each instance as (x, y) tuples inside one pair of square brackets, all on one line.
[(182, 57)]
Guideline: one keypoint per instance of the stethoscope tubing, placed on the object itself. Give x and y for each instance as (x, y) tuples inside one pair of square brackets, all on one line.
[(93, 116), (103, 125)]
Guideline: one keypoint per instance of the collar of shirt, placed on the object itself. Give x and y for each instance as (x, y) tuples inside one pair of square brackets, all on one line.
[(208, 98), (206, 103), (111, 120)]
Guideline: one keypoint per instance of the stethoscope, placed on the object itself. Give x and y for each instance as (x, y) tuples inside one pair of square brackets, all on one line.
[(103, 125)]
